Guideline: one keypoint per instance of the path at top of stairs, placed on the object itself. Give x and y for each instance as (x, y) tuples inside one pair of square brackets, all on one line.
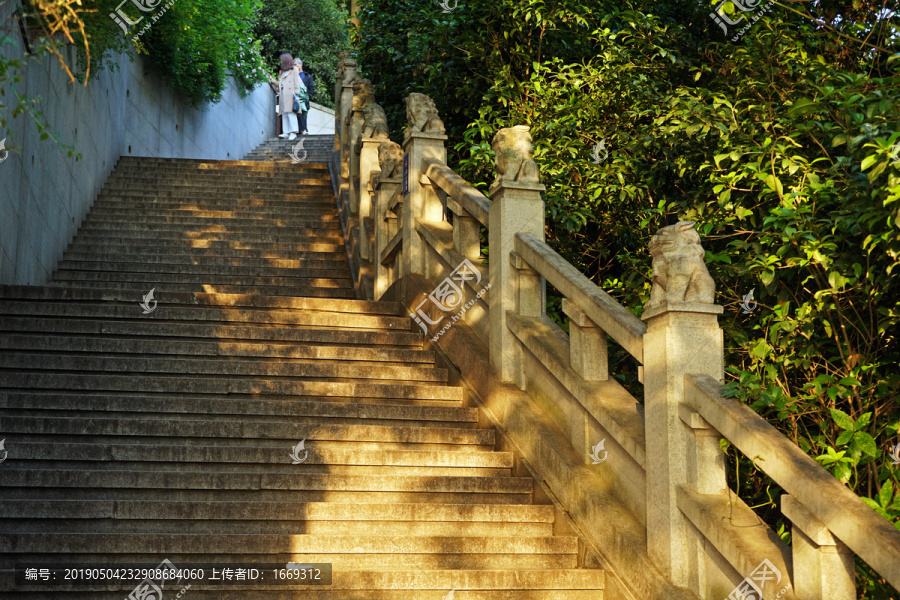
[(136, 436)]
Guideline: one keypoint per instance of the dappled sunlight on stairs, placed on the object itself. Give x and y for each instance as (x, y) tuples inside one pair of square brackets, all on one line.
[(136, 436)]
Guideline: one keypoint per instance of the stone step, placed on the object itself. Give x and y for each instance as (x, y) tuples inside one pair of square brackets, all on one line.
[(63, 482), (225, 385), (329, 455), (145, 187), (162, 407), (184, 274), (154, 163), (344, 292), (225, 366), (307, 268), (254, 493), (186, 233), (296, 197), (144, 346), (213, 220), (193, 214), (149, 280), (220, 334), (305, 260), (496, 515), (300, 170), (245, 207), (192, 315), (196, 252), (273, 183), (220, 247), (295, 592), (342, 551), (361, 308), (283, 435)]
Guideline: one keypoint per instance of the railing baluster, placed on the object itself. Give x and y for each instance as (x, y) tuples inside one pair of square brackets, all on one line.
[(587, 345), (824, 567)]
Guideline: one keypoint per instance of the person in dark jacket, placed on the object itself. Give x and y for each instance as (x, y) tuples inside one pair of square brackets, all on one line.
[(307, 80)]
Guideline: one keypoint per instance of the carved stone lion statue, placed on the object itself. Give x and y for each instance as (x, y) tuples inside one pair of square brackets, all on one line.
[(512, 149), (363, 94), (376, 125), (347, 69), (679, 272), (421, 115), (390, 158)]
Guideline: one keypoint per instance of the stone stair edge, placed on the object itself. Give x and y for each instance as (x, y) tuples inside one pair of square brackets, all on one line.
[(17, 292)]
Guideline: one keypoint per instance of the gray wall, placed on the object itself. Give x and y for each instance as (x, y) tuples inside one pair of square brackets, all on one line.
[(45, 195)]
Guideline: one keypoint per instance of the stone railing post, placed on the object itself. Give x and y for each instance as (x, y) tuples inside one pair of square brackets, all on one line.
[(362, 95), (350, 76), (390, 159), (424, 138), (368, 162), (338, 86), (517, 208), (823, 566), (683, 337), (385, 230)]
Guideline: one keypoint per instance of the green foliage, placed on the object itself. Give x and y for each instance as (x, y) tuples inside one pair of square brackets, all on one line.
[(778, 146), (194, 46), (315, 31)]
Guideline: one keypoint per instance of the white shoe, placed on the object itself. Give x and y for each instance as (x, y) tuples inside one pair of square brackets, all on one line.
[(282, 135), (293, 136)]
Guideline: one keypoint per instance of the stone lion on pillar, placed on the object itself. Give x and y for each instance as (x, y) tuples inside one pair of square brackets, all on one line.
[(347, 69), (513, 152), (363, 94), (390, 158), (422, 116), (376, 126), (679, 271)]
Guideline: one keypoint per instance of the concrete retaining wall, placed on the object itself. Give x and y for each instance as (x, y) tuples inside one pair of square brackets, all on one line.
[(44, 195)]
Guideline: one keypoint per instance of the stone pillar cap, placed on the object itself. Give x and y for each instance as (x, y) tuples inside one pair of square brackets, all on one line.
[(513, 185), (423, 136), (688, 307)]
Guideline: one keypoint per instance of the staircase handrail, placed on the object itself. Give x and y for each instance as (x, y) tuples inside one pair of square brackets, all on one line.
[(829, 502)]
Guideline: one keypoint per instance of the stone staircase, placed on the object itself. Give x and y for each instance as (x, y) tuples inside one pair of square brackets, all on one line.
[(310, 149), (136, 436)]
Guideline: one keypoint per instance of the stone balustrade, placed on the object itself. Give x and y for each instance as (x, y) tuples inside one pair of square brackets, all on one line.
[(655, 508)]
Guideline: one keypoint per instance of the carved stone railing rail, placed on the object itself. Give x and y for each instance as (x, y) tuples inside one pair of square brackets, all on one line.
[(644, 483)]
